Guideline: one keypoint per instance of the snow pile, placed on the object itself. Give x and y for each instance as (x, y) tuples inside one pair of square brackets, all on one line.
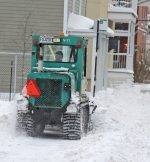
[(122, 125), (121, 133), (7, 117)]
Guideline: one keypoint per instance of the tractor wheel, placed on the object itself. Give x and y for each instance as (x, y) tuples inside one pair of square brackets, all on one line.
[(34, 128), (21, 120), (75, 125), (71, 126)]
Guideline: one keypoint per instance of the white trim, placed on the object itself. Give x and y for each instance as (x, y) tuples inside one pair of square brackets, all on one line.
[(80, 7), (122, 10), (129, 40), (80, 32), (73, 7), (65, 19), (121, 34), (121, 71)]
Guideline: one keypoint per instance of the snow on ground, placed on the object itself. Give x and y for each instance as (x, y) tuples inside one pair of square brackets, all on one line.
[(121, 133)]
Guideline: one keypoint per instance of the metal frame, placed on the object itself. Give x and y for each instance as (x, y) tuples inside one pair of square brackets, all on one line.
[(15, 59)]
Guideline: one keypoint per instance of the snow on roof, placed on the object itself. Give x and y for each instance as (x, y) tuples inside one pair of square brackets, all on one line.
[(79, 22)]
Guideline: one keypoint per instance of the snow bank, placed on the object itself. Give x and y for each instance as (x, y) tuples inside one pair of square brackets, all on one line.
[(121, 133), (7, 117), (122, 125)]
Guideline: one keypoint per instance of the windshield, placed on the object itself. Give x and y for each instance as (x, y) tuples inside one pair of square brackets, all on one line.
[(58, 53)]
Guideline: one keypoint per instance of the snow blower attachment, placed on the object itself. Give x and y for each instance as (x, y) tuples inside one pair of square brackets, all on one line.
[(55, 88)]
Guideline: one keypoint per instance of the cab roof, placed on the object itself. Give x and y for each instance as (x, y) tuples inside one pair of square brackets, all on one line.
[(59, 40)]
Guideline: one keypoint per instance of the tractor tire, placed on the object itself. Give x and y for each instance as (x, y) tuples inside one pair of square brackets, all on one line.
[(71, 126), (75, 125), (21, 121), (34, 128)]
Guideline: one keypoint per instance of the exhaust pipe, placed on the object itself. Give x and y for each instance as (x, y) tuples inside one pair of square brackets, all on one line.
[(40, 60)]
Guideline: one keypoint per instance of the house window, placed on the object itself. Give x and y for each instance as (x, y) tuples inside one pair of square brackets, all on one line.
[(121, 26), (118, 47), (118, 44)]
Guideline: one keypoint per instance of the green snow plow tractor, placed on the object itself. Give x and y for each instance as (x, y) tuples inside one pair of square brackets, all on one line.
[(55, 87)]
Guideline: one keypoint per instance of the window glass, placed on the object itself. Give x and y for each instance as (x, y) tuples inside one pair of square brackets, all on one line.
[(118, 44), (58, 53), (121, 26)]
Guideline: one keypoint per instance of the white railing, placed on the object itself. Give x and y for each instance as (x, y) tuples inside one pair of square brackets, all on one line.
[(121, 3), (142, 1), (117, 60), (122, 32)]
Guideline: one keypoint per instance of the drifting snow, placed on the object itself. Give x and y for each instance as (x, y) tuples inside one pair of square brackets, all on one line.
[(121, 133)]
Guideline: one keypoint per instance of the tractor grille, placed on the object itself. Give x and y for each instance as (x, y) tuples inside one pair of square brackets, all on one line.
[(51, 93)]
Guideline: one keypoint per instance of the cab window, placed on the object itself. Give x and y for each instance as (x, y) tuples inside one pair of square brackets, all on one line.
[(58, 53)]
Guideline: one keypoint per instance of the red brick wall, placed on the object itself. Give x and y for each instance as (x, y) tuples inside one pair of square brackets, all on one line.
[(140, 34), (140, 42)]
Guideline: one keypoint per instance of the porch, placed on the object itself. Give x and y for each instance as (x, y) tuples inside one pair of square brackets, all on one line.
[(121, 46)]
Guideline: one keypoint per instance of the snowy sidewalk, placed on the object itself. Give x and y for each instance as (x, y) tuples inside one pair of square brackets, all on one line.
[(121, 133)]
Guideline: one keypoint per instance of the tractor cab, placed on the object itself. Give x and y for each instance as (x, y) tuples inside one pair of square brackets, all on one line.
[(57, 70)]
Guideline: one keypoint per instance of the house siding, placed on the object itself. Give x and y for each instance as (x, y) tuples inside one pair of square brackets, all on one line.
[(18, 19), (43, 17)]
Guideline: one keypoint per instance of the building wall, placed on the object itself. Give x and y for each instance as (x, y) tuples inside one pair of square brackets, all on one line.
[(96, 9), (148, 34), (19, 18), (140, 42), (141, 32)]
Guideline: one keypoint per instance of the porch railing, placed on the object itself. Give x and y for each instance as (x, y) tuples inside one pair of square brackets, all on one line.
[(121, 3), (117, 60)]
